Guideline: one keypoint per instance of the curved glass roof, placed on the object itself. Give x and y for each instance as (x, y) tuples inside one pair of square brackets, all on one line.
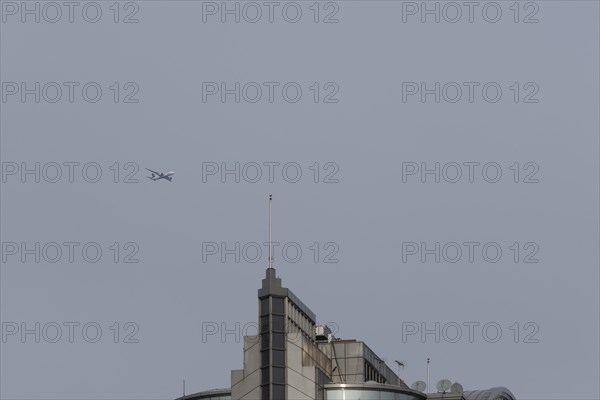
[(497, 393)]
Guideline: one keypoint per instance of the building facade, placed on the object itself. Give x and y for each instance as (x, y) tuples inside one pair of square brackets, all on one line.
[(294, 358)]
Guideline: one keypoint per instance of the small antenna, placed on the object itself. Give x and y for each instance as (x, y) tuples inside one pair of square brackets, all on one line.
[(270, 241), (427, 372), (184, 388), (400, 365)]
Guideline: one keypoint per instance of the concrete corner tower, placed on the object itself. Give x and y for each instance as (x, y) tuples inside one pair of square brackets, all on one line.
[(283, 361)]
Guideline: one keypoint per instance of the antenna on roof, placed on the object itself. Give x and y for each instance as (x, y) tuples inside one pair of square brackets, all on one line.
[(427, 373), (184, 388), (270, 242), (400, 366)]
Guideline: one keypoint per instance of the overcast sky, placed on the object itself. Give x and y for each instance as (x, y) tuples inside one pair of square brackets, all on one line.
[(348, 102)]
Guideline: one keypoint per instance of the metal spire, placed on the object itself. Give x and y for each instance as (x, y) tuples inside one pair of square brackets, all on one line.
[(428, 376), (270, 241)]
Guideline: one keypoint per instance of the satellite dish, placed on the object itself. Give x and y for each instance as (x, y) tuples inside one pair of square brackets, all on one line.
[(443, 385), (456, 388), (419, 386)]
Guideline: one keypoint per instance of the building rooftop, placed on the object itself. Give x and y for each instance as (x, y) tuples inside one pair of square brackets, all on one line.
[(288, 360)]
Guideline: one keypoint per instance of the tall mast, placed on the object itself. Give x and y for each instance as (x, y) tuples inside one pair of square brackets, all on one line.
[(428, 376), (270, 238)]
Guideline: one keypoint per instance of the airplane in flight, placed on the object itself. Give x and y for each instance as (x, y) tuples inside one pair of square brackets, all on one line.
[(159, 175)]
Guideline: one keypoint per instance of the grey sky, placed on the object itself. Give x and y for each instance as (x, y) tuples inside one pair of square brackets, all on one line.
[(367, 214)]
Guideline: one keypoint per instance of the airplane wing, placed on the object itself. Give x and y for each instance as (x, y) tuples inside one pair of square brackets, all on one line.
[(154, 172)]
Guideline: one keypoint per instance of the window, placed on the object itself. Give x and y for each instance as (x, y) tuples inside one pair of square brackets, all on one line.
[(279, 358), (278, 340), (265, 392), (264, 376), (278, 305), (264, 324), (264, 306), (278, 323), (264, 341), (264, 358), (279, 375), (321, 379), (279, 392)]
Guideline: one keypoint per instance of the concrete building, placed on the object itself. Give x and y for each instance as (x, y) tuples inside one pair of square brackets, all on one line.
[(293, 358)]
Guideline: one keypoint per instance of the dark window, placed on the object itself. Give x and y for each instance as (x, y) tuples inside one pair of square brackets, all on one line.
[(320, 393), (278, 392), (264, 389), (278, 340), (264, 358), (264, 341), (279, 358), (278, 305), (279, 375), (278, 323), (264, 306), (264, 376), (264, 324), (321, 380)]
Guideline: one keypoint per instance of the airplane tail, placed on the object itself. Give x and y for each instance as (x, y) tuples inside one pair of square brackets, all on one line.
[(151, 177)]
